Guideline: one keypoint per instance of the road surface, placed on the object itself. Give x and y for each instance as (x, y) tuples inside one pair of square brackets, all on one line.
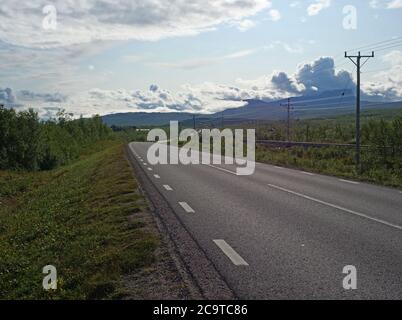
[(287, 234)]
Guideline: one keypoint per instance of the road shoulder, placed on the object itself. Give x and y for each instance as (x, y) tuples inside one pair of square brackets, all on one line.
[(197, 271)]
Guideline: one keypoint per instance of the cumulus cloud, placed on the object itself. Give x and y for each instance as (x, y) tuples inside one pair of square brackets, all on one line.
[(283, 82), (387, 85), (6, 96), (309, 78), (321, 75), (26, 99), (92, 20), (205, 98), (26, 95), (394, 57)]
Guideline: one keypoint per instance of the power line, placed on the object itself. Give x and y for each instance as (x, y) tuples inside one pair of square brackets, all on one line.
[(391, 47), (373, 45)]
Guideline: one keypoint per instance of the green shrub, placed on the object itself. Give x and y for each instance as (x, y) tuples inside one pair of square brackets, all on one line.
[(30, 144)]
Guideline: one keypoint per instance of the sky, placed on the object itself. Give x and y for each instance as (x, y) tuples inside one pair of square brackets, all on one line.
[(108, 56)]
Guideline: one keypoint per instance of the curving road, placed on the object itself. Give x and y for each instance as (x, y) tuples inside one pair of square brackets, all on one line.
[(287, 234)]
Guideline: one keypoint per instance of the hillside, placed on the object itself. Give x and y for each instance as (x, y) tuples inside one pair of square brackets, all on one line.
[(328, 104)]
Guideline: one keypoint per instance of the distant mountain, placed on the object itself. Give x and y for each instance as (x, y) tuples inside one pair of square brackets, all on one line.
[(144, 119), (327, 104)]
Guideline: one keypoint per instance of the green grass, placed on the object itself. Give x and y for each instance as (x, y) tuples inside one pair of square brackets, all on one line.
[(333, 161), (85, 219)]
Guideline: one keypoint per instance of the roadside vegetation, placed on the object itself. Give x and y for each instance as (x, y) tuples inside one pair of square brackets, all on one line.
[(130, 134), (381, 152), (30, 144), (86, 216)]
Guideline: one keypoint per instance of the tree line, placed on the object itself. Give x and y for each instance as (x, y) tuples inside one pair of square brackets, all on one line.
[(28, 143)]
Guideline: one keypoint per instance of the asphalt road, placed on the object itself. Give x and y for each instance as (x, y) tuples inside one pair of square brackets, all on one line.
[(287, 234)]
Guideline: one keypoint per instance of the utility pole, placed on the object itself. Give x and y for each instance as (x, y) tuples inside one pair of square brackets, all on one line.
[(194, 122), (308, 133), (288, 106), (357, 62), (223, 121)]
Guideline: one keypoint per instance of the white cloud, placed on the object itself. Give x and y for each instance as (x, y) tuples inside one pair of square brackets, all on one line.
[(6, 96), (316, 7), (84, 21), (245, 25), (388, 4), (394, 57), (274, 15), (313, 77), (395, 4)]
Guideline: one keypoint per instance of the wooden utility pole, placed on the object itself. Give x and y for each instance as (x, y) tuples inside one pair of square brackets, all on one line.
[(288, 106), (357, 62), (223, 121)]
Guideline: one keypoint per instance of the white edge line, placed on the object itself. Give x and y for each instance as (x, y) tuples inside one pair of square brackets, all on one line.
[(308, 173), (236, 259), (362, 215), (186, 207), (348, 181), (224, 170)]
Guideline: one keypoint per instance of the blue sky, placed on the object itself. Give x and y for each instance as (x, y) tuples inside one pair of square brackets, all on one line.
[(202, 56)]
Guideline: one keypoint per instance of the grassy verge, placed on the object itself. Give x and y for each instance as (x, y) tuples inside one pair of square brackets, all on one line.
[(87, 219), (333, 161)]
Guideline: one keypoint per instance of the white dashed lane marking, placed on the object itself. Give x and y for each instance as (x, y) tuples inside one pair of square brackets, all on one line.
[(167, 187), (156, 176), (186, 207), (236, 259)]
